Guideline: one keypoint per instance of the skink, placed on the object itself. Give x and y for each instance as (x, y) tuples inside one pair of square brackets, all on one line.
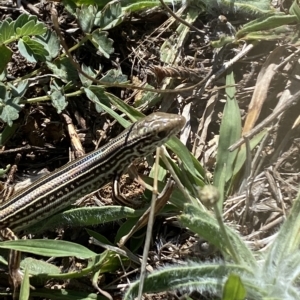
[(59, 189)]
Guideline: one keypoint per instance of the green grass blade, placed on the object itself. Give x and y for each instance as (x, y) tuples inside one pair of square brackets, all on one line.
[(230, 132)]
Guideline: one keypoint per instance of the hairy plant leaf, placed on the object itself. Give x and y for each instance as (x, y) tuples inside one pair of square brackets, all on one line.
[(114, 76), (85, 216), (32, 50), (64, 69), (20, 89), (89, 71), (58, 97), (206, 226), (10, 109), (191, 277), (110, 16), (50, 42), (102, 42), (86, 16), (36, 266)]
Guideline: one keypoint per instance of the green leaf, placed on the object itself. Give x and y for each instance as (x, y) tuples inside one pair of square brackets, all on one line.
[(234, 288), (30, 28), (85, 17), (11, 109), (64, 69), (63, 294), (36, 266), (183, 153), (86, 216), (206, 226), (27, 25), (3, 91), (58, 97), (99, 237), (25, 287), (130, 111), (96, 95), (7, 133), (114, 76), (42, 247), (4, 171), (20, 89), (266, 23), (6, 55), (288, 239), (191, 276), (242, 155), (141, 5), (102, 42), (7, 31), (125, 228), (32, 50), (295, 10), (84, 80), (230, 132), (50, 42), (110, 16), (99, 3)]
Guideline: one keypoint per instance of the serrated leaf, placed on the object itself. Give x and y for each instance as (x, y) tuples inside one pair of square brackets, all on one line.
[(102, 42), (84, 80), (86, 16), (50, 42), (110, 16), (114, 76), (58, 98), (6, 55), (10, 111), (50, 248), (7, 31), (32, 50), (64, 69), (29, 25)]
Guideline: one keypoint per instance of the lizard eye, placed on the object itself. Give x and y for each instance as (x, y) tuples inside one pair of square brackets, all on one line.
[(162, 134)]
